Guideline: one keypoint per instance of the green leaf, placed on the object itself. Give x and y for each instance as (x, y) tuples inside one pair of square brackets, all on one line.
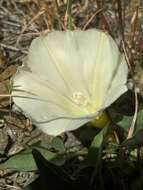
[(94, 157), (50, 156), (125, 123), (24, 161), (137, 139), (98, 139), (58, 144), (95, 149), (140, 120)]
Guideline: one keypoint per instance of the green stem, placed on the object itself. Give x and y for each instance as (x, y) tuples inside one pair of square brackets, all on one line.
[(69, 19)]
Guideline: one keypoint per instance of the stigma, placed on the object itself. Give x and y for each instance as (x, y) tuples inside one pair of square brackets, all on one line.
[(81, 100)]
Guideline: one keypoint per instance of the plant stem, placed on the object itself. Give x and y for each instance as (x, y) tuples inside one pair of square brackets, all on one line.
[(69, 18)]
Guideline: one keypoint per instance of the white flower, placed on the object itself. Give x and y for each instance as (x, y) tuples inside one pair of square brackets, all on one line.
[(69, 78)]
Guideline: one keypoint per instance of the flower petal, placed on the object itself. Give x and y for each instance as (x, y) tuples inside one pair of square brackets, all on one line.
[(56, 57), (39, 101), (118, 84), (58, 126), (101, 58)]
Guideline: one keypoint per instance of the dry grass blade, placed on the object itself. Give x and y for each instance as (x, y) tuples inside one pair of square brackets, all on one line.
[(11, 48), (68, 16), (41, 12), (133, 124), (91, 18), (120, 13)]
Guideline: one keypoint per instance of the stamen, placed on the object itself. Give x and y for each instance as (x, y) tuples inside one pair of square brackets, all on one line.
[(79, 98)]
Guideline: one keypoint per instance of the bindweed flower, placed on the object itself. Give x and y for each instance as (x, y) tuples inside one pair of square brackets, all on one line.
[(69, 78)]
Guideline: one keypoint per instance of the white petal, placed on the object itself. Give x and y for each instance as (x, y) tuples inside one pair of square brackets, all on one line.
[(58, 126), (118, 85), (39, 101), (41, 63), (101, 58), (56, 57)]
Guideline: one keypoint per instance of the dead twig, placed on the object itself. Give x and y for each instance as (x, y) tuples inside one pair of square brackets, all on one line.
[(134, 23), (91, 18), (41, 12), (107, 25), (126, 57), (11, 48)]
